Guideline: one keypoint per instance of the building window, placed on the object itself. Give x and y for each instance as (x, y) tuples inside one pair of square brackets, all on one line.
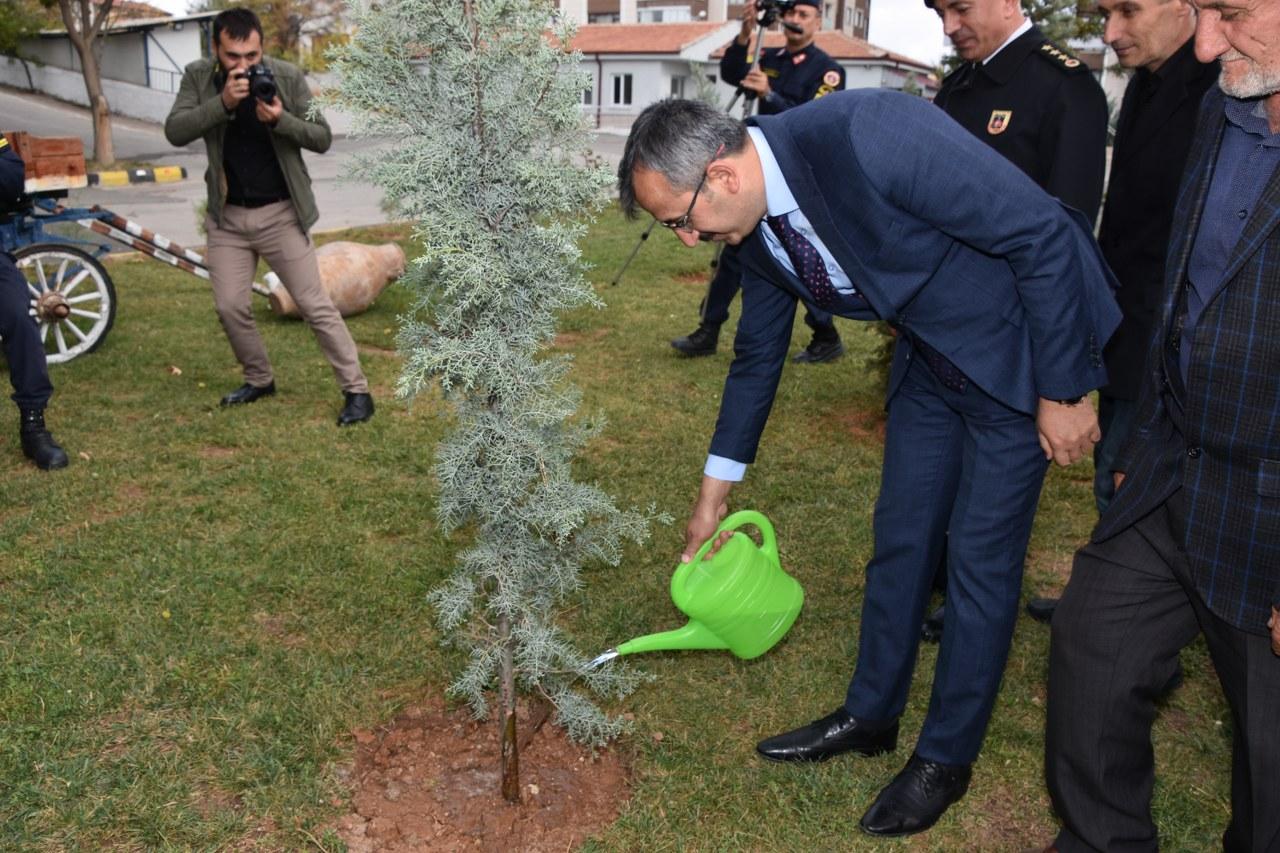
[(677, 86), (589, 93), (857, 19), (622, 90)]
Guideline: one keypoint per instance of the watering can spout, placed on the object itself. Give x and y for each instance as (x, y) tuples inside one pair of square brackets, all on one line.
[(695, 635)]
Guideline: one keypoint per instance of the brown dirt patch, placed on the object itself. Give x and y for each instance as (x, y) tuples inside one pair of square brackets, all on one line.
[(863, 425), (212, 451), (566, 340), (428, 781), (373, 349), (698, 277)]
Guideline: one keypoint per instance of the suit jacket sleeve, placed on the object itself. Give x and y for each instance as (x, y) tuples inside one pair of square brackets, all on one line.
[(733, 65), (760, 352), (925, 167), (1078, 142)]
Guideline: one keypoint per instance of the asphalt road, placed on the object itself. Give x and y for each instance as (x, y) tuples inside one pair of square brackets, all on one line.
[(170, 209)]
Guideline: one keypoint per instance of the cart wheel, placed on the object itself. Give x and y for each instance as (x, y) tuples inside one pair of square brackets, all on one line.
[(72, 298)]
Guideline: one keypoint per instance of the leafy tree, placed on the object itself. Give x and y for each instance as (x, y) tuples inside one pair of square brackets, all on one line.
[(19, 20), (482, 110)]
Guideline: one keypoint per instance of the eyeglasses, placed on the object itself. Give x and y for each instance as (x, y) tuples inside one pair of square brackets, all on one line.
[(682, 224)]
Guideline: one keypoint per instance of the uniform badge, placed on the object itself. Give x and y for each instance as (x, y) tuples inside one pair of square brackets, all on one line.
[(1071, 63), (999, 121), (831, 78), (797, 59)]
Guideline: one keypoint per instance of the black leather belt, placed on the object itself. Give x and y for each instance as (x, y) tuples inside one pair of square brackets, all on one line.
[(256, 202)]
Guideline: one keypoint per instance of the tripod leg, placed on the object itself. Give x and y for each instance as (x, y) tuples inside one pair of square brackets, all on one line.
[(631, 257)]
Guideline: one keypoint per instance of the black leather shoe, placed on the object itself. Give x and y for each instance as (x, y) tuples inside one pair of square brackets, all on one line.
[(820, 350), (916, 797), (359, 408), (38, 444), (1041, 609), (836, 733), (931, 628), (247, 393), (701, 341)]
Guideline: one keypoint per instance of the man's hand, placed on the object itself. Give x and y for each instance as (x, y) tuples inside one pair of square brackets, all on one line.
[(1274, 624), (235, 90), (1067, 433), (708, 511), (269, 113), (748, 22), (757, 81), (1117, 477)]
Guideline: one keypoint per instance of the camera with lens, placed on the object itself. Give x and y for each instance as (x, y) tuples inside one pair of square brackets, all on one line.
[(768, 11), (262, 83)]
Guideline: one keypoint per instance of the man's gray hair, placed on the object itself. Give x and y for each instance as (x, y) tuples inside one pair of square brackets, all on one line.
[(678, 139)]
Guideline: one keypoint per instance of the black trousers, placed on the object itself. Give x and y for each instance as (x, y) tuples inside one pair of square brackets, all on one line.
[(1128, 609), (28, 370)]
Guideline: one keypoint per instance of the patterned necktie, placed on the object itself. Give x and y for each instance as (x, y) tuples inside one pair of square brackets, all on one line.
[(809, 265)]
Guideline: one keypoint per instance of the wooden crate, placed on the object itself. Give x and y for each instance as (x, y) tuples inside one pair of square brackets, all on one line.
[(52, 162)]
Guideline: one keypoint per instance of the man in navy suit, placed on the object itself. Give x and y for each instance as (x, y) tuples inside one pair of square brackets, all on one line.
[(874, 204), (1190, 543)]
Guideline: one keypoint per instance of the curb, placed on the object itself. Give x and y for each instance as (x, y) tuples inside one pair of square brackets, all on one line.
[(120, 178)]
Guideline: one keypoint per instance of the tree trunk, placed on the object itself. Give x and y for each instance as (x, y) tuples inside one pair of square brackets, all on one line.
[(510, 743), (83, 24)]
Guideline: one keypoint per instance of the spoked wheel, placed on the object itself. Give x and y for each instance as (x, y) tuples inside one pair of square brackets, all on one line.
[(72, 298)]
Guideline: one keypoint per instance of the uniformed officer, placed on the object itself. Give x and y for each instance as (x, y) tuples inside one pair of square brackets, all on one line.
[(786, 77), (1033, 102), (28, 370)]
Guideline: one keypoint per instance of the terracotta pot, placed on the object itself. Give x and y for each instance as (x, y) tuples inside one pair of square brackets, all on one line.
[(353, 275)]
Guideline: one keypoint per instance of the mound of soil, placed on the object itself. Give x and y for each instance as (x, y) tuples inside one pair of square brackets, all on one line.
[(429, 780)]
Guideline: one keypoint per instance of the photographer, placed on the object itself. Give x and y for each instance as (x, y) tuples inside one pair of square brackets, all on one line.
[(28, 370), (786, 77), (252, 112)]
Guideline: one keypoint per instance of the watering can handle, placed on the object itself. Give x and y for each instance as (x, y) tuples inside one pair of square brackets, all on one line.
[(769, 544)]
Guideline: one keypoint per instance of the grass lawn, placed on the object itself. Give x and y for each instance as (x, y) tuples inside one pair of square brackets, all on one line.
[(205, 604)]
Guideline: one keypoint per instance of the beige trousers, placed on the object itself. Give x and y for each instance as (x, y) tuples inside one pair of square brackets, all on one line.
[(272, 232)]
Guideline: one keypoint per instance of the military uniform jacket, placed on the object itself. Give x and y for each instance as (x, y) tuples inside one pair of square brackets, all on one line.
[(1042, 110), (793, 78)]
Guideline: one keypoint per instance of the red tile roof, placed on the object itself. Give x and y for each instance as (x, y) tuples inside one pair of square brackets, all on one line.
[(640, 38), (841, 46)]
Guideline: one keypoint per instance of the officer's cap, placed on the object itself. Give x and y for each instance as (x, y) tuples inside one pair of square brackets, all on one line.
[(813, 3)]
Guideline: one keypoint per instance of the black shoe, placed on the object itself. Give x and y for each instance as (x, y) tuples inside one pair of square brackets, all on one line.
[(359, 408), (701, 341), (38, 444), (1041, 609), (834, 734), (247, 393), (916, 797), (931, 628), (820, 350)]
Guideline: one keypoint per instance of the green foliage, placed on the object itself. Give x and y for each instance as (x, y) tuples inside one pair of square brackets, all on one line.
[(483, 111), (19, 19)]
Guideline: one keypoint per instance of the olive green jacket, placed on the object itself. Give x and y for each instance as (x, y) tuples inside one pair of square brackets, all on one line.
[(198, 111)]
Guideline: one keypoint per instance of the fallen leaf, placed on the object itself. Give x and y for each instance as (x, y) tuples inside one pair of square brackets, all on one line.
[(657, 737), (174, 370), (165, 614), (85, 456)]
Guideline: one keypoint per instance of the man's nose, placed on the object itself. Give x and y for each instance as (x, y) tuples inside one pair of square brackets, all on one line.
[(950, 23), (689, 238), (1111, 31)]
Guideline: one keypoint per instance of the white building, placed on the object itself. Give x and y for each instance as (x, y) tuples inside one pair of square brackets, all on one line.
[(634, 65)]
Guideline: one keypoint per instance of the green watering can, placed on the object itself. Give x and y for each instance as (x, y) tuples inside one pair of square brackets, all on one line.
[(740, 599)]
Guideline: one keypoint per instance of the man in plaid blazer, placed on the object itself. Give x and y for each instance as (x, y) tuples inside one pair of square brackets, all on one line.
[(1191, 542)]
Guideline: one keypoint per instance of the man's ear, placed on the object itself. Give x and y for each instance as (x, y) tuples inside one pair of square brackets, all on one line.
[(725, 176)]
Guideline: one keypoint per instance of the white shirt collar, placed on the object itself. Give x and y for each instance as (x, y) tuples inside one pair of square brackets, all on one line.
[(1026, 25), (777, 195)]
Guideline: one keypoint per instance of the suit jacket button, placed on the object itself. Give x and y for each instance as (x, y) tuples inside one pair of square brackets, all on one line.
[(1193, 452)]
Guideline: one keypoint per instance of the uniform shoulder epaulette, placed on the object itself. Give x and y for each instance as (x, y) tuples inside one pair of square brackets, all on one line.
[(1060, 59), (4, 143)]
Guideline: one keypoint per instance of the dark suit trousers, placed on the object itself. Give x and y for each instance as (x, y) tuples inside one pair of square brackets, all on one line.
[(965, 463), (28, 371), (1128, 609), (725, 284)]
